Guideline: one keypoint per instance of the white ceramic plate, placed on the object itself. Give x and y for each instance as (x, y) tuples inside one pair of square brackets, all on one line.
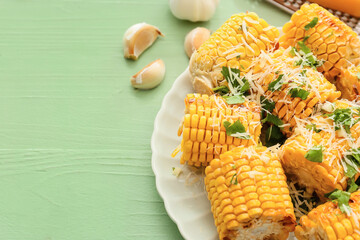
[(187, 205)]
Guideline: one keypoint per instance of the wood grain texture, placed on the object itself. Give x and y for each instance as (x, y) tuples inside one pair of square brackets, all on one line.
[(75, 157)]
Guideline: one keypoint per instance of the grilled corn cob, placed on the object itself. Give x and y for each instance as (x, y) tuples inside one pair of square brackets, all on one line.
[(249, 195), (298, 91), (317, 136), (203, 130), (234, 44), (349, 83), (328, 222), (329, 39)]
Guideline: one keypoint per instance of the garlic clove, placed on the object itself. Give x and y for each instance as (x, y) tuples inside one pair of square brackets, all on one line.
[(150, 76), (194, 39), (193, 10), (138, 38)]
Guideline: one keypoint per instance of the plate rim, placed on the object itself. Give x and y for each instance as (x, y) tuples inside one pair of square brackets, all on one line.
[(183, 75)]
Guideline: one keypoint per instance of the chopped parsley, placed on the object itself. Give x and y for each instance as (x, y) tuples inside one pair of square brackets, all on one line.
[(352, 186), (237, 84), (272, 119), (221, 90), (353, 156), (342, 198), (307, 57), (274, 136), (276, 84), (313, 127), (236, 129), (234, 180), (293, 51), (267, 104), (315, 154), (312, 24), (234, 99), (344, 118), (303, 73), (299, 92), (306, 38)]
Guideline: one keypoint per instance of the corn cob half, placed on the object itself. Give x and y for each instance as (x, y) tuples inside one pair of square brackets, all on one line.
[(296, 91), (328, 222), (317, 135), (233, 45), (329, 39), (349, 83), (249, 195), (203, 132)]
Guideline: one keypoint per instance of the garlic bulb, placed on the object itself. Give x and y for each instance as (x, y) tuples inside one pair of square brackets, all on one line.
[(193, 10), (150, 76), (138, 38), (194, 39)]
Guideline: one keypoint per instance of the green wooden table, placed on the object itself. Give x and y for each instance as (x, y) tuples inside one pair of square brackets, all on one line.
[(75, 157)]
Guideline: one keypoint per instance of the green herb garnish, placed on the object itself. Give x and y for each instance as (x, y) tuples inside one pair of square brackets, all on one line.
[(274, 136), (313, 127), (315, 154), (312, 23), (267, 104), (305, 53), (272, 119), (344, 118), (232, 76), (358, 75), (293, 51), (352, 156), (276, 84), (352, 186), (299, 92), (342, 198), (234, 99), (234, 180), (221, 90), (236, 129)]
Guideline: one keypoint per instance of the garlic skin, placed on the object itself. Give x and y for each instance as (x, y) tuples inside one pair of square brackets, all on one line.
[(193, 10), (138, 38), (150, 76), (194, 39)]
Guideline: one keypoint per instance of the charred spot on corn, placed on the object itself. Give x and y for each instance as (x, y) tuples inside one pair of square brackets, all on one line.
[(312, 24), (315, 154), (341, 198), (236, 129)]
